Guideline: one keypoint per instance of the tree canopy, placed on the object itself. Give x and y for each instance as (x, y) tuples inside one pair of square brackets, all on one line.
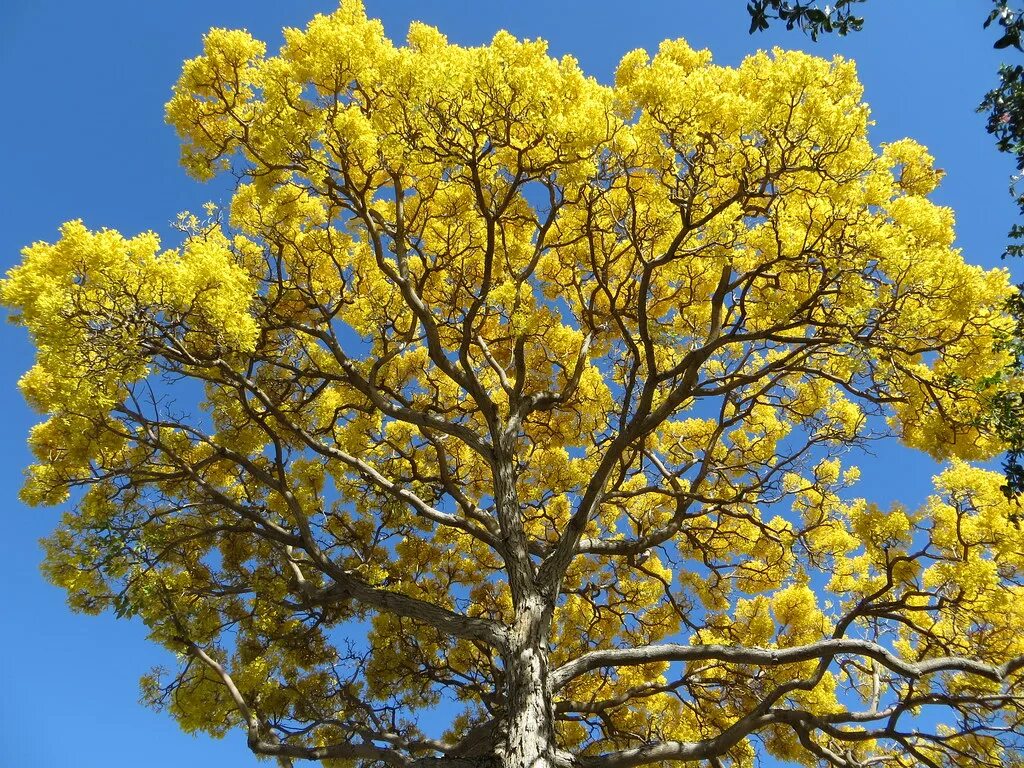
[(499, 386)]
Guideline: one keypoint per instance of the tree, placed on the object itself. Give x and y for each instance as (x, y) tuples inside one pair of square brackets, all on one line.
[(501, 387)]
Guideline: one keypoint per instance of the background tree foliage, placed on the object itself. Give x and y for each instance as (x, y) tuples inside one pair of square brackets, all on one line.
[(499, 385), (811, 18)]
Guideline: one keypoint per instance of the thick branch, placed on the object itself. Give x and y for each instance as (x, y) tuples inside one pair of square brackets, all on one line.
[(618, 657)]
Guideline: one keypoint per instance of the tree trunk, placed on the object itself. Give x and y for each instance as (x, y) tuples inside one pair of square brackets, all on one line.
[(527, 738), (530, 737)]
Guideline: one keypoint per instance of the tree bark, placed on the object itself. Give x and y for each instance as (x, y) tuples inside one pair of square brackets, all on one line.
[(527, 735), (529, 741)]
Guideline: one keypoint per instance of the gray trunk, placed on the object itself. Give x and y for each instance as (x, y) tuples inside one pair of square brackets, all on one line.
[(530, 739), (527, 736)]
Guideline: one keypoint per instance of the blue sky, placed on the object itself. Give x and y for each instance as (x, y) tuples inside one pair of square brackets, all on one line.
[(83, 136)]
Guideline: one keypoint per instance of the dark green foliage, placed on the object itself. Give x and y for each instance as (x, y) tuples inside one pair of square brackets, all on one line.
[(1007, 411), (807, 17), (1005, 107), (1009, 20)]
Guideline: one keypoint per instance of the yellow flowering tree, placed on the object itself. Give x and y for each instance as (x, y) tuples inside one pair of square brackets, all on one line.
[(500, 387)]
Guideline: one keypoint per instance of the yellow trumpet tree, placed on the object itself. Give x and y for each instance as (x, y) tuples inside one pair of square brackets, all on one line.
[(500, 387)]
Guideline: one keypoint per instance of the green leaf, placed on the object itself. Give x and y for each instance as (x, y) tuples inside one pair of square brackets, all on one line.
[(1012, 37)]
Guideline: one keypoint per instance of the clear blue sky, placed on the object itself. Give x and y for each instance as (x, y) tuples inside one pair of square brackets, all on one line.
[(82, 136)]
